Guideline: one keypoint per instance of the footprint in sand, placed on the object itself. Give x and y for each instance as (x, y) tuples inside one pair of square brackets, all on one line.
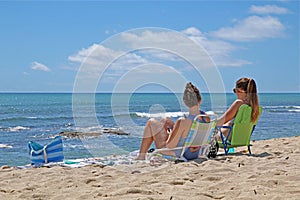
[(277, 153), (177, 182), (90, 180), (212, 178)]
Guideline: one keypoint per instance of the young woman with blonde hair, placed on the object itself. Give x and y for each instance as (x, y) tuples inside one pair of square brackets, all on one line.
[(246, 91)]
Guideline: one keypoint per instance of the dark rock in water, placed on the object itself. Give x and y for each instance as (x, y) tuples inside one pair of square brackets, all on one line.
[(77, 134), (114, 131)]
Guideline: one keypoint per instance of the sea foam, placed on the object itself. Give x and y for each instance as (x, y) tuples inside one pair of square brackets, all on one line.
[(161, 115), (17, 128), (5, 146)]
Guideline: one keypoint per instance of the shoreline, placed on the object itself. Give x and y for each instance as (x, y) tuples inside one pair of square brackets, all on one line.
[(271, 172)]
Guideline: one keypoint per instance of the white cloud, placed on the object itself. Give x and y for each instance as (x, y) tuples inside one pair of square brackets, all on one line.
[(129, 60), (148, 38), (220, 51), (95, 53), (96, 56), (268, 9), (252, 28), (169, 46), (40, 66), (192, 31), (131, 50)]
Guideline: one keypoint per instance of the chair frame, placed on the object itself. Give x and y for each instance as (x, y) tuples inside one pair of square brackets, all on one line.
[(226, 144), (213, 122), (225, 140)]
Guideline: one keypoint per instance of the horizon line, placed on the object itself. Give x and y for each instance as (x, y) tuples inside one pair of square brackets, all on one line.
[(141, 92)]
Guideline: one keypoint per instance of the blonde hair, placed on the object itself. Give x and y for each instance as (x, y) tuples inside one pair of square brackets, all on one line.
[(248, 85)]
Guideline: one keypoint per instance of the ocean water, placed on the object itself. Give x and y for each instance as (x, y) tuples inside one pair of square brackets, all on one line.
[(39, 117)]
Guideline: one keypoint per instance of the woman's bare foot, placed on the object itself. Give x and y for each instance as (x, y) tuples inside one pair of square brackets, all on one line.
[(141, 157)]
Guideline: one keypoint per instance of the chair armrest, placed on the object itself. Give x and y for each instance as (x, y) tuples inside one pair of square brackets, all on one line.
[(228, 127)]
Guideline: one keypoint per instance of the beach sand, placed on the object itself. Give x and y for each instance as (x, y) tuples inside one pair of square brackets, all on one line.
[(271, 172)]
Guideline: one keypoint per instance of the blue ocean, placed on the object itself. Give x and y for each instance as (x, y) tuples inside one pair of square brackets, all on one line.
[(40, 117)]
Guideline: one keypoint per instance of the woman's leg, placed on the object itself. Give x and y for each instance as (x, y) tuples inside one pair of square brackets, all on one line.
[(153, 131), (225, 131)]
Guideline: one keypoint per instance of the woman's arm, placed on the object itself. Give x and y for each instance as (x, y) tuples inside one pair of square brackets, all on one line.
[(230, 113)]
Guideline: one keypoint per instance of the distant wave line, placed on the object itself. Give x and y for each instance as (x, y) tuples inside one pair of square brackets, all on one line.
[(14, 129), (283, 107), (35, 118), (6, 146)]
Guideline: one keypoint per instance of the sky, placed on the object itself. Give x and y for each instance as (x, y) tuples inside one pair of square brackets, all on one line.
[(126, 46)]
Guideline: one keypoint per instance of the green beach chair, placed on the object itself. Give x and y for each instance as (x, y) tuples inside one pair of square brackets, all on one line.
[(241, 130)]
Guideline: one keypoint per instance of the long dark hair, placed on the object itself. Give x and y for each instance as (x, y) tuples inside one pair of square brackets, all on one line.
[(191, 95), (249, 86)]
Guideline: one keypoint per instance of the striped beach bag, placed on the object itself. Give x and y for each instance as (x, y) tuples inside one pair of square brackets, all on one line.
[(52, 152)]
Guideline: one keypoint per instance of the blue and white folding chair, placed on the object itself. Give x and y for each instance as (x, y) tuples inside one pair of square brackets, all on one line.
[(52, 152)]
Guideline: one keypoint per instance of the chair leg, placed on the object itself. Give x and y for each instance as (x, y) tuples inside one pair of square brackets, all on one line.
[(249, 150), (224, 139), (224, 143), (226, 150)]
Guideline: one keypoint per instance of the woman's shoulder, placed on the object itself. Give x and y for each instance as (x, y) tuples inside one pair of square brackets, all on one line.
[(185, 120), (238, 102), (236, 106)]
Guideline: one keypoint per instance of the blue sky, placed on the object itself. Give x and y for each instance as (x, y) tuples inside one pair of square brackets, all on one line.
[(44, 44)]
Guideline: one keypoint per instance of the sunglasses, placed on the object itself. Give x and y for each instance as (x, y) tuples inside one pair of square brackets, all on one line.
[(235, 91)]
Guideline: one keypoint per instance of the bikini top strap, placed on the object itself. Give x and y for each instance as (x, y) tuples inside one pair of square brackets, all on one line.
[(192, 117)]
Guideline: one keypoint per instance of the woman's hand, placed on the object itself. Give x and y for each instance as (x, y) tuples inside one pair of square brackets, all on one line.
[(168, 124)]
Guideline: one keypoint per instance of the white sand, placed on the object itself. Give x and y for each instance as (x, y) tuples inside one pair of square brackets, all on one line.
[(272, 172)]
